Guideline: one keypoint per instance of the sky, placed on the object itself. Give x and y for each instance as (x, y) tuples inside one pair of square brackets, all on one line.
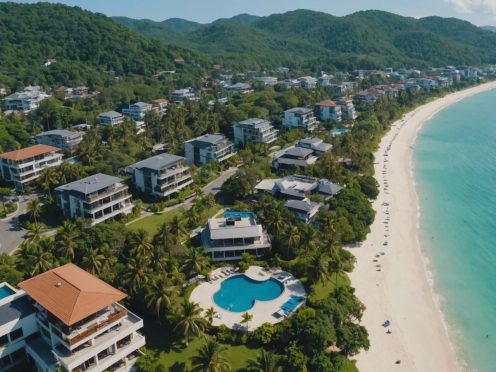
[(479, 12)]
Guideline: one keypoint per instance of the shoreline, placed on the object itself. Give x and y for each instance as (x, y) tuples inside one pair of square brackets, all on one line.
[(397, 286)]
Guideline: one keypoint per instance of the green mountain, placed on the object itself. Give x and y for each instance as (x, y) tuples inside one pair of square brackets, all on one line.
[(85, 45), (364, 39), (182, 26), (489, 28)]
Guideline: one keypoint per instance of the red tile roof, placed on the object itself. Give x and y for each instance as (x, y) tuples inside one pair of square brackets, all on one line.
[(327, 103), (70, 293), (28, 152)]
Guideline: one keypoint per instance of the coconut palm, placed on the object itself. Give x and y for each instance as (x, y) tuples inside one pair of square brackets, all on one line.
[(276, 222), (336, 267), (137, 273), (177, 229), (66, 246), (189, 321), (317, 268), (195, 261), (34, 209), (209, 315), (266, 361), (40, 258), (159, 294), (293, 238), (109, 257), (163, 237), (48, 178), (246, 318), (35, 230), (5, 192), (93, 261), (210, 358), (141, 243)]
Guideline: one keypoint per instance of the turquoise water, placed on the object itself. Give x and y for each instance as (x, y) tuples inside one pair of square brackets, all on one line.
[(238, 294), (455, 171), (339, 131), (5, 292), (291, 304)]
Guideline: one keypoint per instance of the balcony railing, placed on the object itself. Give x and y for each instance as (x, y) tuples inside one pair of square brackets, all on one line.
[(92, 198)]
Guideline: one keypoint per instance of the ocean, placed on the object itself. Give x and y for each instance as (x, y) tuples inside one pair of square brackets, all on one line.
[(455, 174)]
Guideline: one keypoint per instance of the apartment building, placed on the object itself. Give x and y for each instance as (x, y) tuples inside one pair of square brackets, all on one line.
[(347, 107), (61, 138), (137, 111), (328, 110), (25, 165), (110, 118), (207, 148), (254, 131), (162, 175), (229, 237), (181, 95), (300, 117), (68, 319), (26, 100), (95, 198)]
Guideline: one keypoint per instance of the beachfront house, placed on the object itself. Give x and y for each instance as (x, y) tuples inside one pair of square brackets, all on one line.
[(110, 118), (318, 146), (137, 111), (293, 158), (229, 237), (67, 319), (95, 198), (25, 165), (328, 110), (298, 187), (300, 117), (304, 210), (207, 148), (347, 107), (25, 100), (254, 131), (64, 139), (161, 175)]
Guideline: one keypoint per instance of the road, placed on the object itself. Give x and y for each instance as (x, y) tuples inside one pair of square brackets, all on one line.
[(11, 231)]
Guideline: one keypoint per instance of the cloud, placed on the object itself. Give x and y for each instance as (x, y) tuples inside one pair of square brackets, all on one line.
[(474, 6)]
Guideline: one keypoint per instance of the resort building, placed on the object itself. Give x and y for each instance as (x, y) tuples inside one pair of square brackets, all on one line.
[(68, 319), (318, 146), (26, 100), (110, 118), (298, 187), (293, 158), (307, 82), (185, 94), (137, 111), (162, 175), (300, 117), (347, 107), (25, 165), (254, 131), (229, 237), (95, 198), (207, 148), (304, 210), (243, 88), (328, 110), (61, 138)]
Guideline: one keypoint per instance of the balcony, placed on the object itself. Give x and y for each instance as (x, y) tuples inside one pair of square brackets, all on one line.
[(92, 198), (107, 203)]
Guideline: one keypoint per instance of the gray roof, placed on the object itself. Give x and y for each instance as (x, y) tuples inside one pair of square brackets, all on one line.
[(302, 205), (310, 141), (20, 308), (299, 152), (61, 132), (323, 147), (157, 162), (208, 140), (328, 187), (112, 114), (299, 110), (254, 122), (141, 104), (90, 184), (241, 228)]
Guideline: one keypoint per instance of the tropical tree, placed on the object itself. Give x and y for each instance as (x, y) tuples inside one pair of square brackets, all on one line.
[(34, 209), (246, 318), (336, 267), (35, 230), (163, 237), (93, 261), (317, 268), (189, 320), (195, 261), (137, 273), (48, 178), (177, 229), (40, 258), (293, 238), (5, 192), (159, 294), (209, 315), (210, 358), (266, 361), (141, 243)]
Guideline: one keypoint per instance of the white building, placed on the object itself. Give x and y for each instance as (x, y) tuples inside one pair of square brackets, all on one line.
[(294, 158), (304, 210), (328, 110), (95, 198), (68, 319), (185, 94), (162, 175), (300, 117), (61, 138), (243, 88), (254, 131), (307, 82), (267, 80), (347, 107), (207, 148), (298, 187), (26, 100), (316, 144), (25, 165), (110, 118), (137, 111), (229, 237)]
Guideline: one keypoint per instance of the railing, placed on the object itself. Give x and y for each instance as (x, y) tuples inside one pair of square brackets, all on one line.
[(101, 195)]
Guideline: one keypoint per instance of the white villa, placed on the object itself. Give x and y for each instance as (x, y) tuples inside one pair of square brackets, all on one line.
[(110, 118), (254, 131), (61, 138), (26, 100), (137, 111), (207, 148), (328, 110), (300, 117)]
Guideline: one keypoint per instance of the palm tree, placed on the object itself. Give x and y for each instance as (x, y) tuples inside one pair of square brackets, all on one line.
[(193, 217), (35, 231), (177, 229), (292, 237), (266, 361), (48, 177), (210, 358), (109, 258), (163, 237), (34, 209), (190, 322), (137, 273), (276, 222), (209, 315), (142, 244), (336, 267), (40, 258), (317, 268), (159, 294), (5, 192), (195, 261), (246, 318), (93, 261)]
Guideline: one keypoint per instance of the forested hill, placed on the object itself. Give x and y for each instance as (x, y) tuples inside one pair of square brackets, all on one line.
[(85, 45), (363, 39)]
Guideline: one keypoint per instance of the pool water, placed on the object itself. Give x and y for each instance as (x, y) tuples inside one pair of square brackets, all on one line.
[(5, 292), (236, 214), (239, 293), (291, 304), (339, 131)]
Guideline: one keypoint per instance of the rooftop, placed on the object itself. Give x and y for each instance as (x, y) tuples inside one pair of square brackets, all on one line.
[(157, 162), (70, 293), (19, 308), (255, 122), (28, 152), (304, 205), (299, 110), (234, 227), (90, 184), (111, 114), (326, 103), (61, 132), (210, 139), (299, 152)]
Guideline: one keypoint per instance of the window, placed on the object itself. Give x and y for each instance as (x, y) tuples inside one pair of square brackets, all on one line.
[(14, 335), (4, 340)]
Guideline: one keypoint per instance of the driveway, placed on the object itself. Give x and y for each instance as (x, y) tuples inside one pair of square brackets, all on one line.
[(11, 231)]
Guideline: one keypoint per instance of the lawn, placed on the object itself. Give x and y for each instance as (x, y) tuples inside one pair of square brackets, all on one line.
[(322, 291), (152, 223)]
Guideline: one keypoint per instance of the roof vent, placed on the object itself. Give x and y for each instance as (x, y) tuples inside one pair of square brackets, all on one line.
[(58, 284)]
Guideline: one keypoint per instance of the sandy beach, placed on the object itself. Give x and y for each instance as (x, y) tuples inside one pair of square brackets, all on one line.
[(391, 277)]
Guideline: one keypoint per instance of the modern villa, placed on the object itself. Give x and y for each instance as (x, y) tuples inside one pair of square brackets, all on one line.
[(304, 210), (95, 198), (26, 100), (67, 318), (25, 165), (137, 111), (298, 187), (61, 138), (229, 237), (207, 148), (254, 131), (328, 110), (316, 144), (161, 175), (294, 158), (300, 117), (110, 118), (347, 107)]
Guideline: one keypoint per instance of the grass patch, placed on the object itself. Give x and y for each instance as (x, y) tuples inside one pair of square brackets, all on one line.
[(321, 292), (152, 223)]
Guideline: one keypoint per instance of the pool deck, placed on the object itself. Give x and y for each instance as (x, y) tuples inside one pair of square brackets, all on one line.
[(262, 310)]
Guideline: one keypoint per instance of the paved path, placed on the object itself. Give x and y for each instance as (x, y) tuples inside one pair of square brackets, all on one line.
[(11, 232)]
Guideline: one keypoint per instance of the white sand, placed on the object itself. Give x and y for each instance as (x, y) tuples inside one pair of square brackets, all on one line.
[(401, 291)]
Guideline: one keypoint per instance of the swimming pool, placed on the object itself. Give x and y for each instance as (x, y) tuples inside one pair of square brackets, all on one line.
[(5, 292), (237, 214), (291, 304), (239, 293), (339, 131)]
